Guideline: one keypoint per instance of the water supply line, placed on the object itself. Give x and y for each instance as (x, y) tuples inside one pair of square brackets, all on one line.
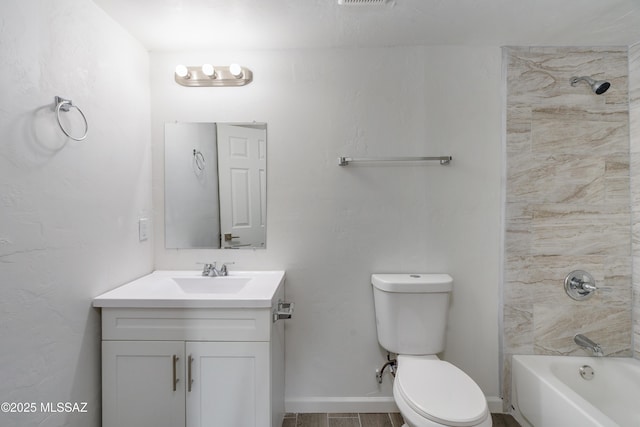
[(392, 364)]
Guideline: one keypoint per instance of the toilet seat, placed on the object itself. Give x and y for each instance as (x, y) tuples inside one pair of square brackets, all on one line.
[(439, 391)]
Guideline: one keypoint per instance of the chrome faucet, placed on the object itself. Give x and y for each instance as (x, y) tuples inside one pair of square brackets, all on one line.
[(585, 342), (211, 270)]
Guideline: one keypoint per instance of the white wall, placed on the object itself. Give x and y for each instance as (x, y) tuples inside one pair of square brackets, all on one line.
[(331, 227), (191, 189), (68, 210)]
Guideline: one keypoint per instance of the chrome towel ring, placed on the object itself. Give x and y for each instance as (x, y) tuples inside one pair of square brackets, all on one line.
[(65, 105), (198, 157)]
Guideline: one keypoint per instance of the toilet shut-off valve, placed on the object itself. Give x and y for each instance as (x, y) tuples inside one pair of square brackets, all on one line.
[(391, 364)]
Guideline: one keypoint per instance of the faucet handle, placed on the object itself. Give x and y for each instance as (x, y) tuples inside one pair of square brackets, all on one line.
[(224, 269), (592, 288), (206, 263), (208, 267)]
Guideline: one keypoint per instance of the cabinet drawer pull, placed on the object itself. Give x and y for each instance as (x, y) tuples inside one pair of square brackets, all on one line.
[(189, 378), (175, 377)]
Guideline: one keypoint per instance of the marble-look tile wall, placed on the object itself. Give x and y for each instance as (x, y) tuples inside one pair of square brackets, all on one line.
[(634, 125), (567, 202)]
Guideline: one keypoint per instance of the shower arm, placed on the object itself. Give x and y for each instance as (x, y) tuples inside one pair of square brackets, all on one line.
[(576, 80), (597, 86)]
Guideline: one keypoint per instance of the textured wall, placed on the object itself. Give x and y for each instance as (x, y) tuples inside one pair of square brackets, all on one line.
[(192, 215), (68, 210), (567, 201), (634, 126), (330, 227)]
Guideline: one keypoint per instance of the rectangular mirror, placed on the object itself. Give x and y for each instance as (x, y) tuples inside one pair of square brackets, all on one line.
[(215, 185)]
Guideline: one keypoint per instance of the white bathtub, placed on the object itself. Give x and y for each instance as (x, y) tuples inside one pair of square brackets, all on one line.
[(548, 391)]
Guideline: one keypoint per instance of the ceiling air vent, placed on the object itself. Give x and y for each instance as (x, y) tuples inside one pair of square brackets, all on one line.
[(361, 2)]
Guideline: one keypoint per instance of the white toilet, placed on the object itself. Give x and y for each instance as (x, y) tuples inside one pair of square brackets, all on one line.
[(411, 316)]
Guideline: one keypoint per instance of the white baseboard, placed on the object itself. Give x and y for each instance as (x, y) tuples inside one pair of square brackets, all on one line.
[(357, 404), (339, 404), (495, 404)]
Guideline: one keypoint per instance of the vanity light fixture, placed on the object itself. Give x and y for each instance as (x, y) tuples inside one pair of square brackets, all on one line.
[(210, 75)]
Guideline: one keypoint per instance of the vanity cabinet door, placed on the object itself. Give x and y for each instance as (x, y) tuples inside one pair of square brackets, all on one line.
[(143, 384), (230, 384)]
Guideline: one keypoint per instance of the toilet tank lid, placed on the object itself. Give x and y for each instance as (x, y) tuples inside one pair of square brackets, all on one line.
[(412, 282)]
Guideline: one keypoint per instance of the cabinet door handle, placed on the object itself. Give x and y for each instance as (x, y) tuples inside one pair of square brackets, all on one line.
[(189, 378), (175, 377)]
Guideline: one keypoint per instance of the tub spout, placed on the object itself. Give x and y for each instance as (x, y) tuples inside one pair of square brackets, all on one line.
[(585, 342)]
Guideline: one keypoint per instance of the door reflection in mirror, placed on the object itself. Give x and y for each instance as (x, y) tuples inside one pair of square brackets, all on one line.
[(215, 185)]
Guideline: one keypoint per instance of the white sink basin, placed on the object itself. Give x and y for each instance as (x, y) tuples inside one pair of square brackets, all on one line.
[(176, 289), (211, 285)]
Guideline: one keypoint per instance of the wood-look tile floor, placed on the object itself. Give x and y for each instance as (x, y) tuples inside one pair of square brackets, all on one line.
[(504, 420), (369, 420)]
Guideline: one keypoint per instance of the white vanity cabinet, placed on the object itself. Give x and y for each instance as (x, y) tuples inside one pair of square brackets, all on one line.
[(193, 367)]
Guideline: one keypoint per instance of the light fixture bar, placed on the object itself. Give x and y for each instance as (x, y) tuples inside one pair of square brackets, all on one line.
[(222, 76)]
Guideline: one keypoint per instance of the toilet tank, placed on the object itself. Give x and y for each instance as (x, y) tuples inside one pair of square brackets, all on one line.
[(411, 311)]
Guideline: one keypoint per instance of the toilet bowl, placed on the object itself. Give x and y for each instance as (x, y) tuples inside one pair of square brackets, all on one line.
[(433, 393), (411, 317)]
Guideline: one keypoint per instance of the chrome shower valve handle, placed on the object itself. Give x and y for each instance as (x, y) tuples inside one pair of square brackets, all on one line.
[(581, 285)]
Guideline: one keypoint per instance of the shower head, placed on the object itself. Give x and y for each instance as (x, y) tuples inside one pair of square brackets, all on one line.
[(597, 86)]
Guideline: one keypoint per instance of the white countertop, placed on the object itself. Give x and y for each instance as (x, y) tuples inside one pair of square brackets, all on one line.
[(188, 289)]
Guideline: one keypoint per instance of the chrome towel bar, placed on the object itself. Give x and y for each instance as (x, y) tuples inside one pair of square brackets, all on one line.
[(344, 161)]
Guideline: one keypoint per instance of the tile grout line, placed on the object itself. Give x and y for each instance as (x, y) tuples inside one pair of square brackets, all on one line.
[(501, 418)]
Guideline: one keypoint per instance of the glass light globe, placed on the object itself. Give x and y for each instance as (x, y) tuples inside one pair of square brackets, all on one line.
[(182, 71), (236, 70), (208, 70)]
